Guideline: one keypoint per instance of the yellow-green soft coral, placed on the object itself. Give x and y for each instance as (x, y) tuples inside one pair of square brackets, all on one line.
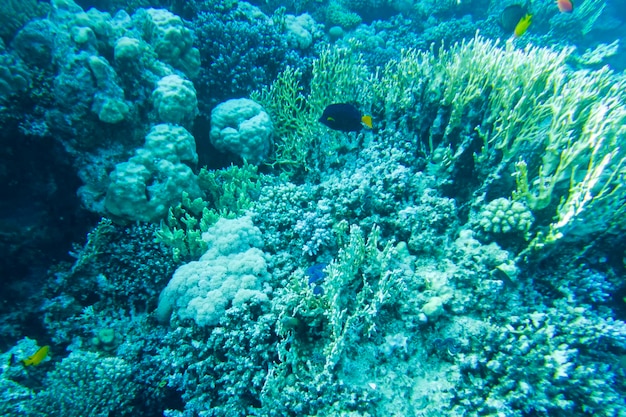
[(226, 192), (582, 162), (301, 142), (535, 113), (507, 109)]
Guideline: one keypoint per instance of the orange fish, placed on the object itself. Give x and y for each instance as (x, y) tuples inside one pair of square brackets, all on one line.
[(565, 6)]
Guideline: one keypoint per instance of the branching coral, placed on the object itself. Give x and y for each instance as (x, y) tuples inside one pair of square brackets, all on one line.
[(360, 282), (520, 105), (483, 107), (360, 264), (554, 362), (250, 52), (286, 102), (86, 383), (337, 77), (582, 149)]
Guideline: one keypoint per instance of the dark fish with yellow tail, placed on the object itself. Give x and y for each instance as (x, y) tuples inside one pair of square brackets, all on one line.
[(510, 17), (345, 117)]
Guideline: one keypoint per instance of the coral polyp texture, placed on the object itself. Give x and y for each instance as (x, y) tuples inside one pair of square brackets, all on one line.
[(184, 234), (242, 127), (144, 187), (231, 272), (175, 100), (505, 216)]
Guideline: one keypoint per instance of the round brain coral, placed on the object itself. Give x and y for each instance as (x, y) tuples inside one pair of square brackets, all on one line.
[(242, 127), (175, 100)]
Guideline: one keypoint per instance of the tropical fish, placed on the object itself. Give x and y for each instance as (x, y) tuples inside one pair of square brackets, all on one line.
[(510, 17), (565, 6), (37, 357), (522, 26), (315, 273), (316, 276), (344, 117)]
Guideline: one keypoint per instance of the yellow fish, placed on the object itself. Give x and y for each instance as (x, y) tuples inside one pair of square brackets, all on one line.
[(37, 357), (522, 25)]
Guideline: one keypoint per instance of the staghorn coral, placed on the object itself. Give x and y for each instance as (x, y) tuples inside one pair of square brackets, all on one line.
[(318, 332)]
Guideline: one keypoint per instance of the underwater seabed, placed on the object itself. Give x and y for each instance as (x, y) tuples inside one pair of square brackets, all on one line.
[(303, 211)]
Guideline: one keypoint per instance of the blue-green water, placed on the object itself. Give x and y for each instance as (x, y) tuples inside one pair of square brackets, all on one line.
[(189, 228)]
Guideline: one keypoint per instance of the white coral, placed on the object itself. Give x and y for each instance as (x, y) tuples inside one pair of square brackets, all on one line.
[(231, 272)]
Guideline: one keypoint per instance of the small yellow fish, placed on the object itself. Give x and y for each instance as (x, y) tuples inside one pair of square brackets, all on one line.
[(522, 25), (37, 357), (367, 120)]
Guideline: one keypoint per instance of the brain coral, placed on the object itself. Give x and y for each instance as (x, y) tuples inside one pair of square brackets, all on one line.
[(243, 127)]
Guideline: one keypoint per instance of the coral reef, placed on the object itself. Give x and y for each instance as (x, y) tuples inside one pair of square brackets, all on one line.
[(567, 342), (226, 193), (85, 383), (251, 52), (463, 254)]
